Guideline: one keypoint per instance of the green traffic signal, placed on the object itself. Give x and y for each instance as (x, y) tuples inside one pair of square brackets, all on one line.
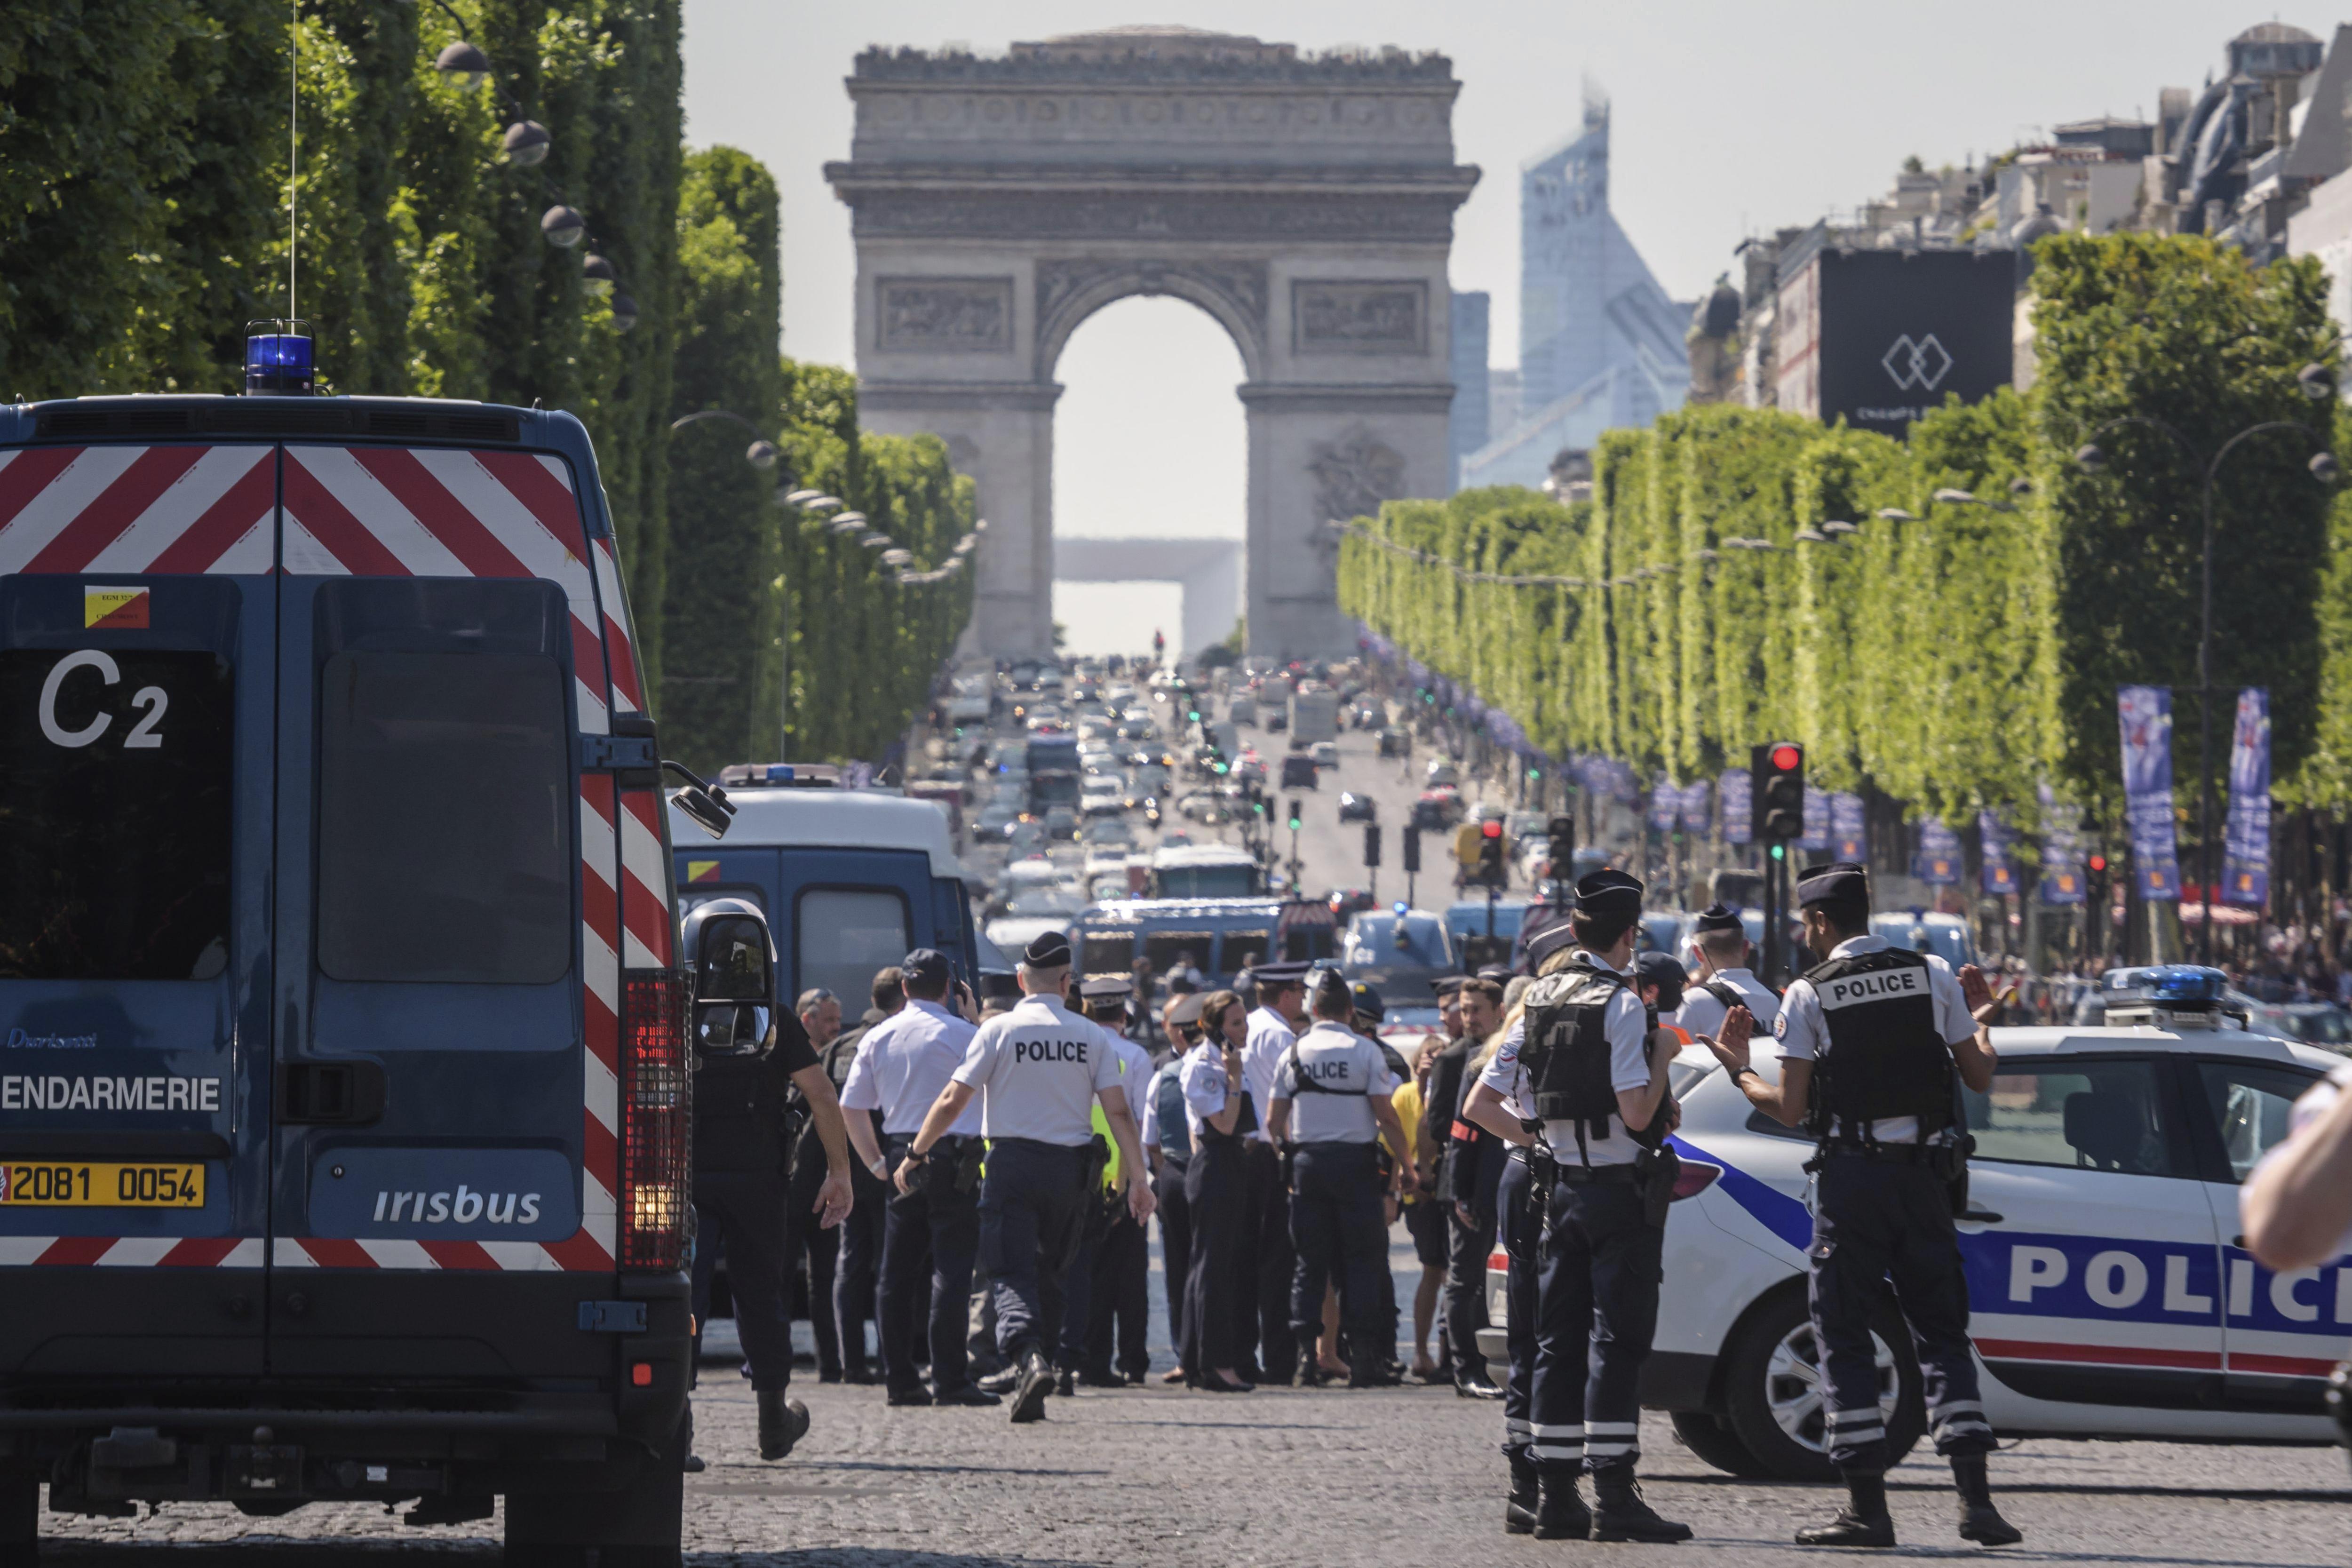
[(1779, 852)]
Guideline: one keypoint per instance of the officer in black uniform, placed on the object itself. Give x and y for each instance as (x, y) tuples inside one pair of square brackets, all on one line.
[(1117, 1251), (1871, 1039), (1473, 1168), (741, 1184), (857, 1270), (1594, 1063), (1039, 1070)]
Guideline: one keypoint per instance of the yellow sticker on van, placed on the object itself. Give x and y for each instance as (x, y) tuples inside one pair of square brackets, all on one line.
[(702, 870), (114, 609)]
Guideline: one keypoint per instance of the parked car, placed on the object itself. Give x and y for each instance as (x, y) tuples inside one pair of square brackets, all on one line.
[(1355, 807), (1326, 754)]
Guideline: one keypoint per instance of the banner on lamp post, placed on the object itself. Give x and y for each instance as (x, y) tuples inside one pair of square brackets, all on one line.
[(1816, 835), (1938, 864), (2246, 840), (1733, 789), (1696, 799), (2145, 715), (2061, 852), (1665, 804), (1846, 839), (1998, 842)]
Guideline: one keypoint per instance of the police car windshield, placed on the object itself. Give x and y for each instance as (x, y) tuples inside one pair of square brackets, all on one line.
[(114, 814)]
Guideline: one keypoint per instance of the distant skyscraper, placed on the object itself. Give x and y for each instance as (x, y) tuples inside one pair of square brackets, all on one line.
[(1469, 427), (1601, 343)]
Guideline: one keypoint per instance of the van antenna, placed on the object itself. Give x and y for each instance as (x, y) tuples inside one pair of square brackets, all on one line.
[(293, 146)]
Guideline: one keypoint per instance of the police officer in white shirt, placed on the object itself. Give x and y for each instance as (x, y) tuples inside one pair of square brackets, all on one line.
[(901, 1066), (1329, 1107), (1723, 982), (1274, 1026), (1038, 1071), (1219, 1114), (1872, 1038)]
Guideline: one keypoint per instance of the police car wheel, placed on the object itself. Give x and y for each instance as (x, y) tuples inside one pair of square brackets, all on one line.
[(1773, 1392), (1711, 1438)]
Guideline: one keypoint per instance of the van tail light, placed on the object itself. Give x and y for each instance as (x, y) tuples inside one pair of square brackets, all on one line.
[(656, 1122), (1694, 1178)]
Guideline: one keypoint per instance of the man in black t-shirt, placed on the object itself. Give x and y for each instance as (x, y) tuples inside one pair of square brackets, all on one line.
[(858, 1271), (741, 1149)]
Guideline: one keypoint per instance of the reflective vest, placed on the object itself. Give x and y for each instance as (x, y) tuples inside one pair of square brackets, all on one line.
[(1564, 1050)]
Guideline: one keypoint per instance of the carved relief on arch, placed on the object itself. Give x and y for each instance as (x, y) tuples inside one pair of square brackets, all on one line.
[(1069, 290)]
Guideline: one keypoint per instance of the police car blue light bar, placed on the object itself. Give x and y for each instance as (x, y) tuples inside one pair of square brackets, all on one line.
[(279, 360), (2166, 985)]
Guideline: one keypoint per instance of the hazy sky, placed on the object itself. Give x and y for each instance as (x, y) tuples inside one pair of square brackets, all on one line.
[(1729, 117)]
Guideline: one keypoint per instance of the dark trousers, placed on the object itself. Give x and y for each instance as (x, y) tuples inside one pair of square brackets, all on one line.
[(1079, 1283), (1030, 1201), (823, 1250), (929, 1238), (1120, 1305), (1880, 1220), (1596, 1310), (1338, 1232), (858, 1274), (747, 1210), (1521, 1230), (1467, 1248), (1217, 1299), (1175, 1242), (1263, 1309)]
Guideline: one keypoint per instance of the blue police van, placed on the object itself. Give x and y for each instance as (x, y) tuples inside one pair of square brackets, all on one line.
[(344, 1102)]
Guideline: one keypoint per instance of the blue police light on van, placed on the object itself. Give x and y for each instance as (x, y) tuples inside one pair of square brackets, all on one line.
[(278, 362)]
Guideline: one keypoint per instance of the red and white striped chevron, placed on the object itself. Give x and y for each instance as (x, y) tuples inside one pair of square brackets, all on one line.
[(131, 1251), (158, 511)]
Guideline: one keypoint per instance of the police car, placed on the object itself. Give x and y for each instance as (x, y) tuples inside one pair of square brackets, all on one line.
[(342, 1110), (2108, 1291)]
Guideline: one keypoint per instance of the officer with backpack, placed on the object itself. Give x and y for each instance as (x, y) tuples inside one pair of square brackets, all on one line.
[(1330, 1105), (1589, 1062), (1724, 981), (1871, 1041)]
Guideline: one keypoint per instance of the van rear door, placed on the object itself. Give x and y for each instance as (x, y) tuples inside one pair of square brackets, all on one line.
[(137, 623), (449, 946)]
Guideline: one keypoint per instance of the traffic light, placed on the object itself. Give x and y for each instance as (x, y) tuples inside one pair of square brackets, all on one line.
[(2094, 880), (1490, 854), (1410, 837), (1561, 850), (1777, 792), (1293, 815), (1372, 846)]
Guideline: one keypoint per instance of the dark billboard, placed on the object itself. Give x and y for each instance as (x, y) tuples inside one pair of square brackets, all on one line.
[(1894, 333)]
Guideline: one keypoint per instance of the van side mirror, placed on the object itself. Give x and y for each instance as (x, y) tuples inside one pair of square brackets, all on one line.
[(706, 803)]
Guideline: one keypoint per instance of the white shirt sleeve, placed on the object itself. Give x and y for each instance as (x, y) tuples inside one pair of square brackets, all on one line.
[(1501, 1072), (1376, 1071), (1954, 1022), (1149, 1131), (1205, 1084), (861, 1090), (1109, 1065), (1801, 1024), (1629, 1057), (1701, 1013), (1286, 1078), (980, 1057)]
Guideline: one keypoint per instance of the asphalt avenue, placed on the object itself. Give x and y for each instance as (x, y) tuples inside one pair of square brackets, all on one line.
[(1297, 1478)]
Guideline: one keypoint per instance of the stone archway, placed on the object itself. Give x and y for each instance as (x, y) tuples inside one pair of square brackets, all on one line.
[(1307, 204)]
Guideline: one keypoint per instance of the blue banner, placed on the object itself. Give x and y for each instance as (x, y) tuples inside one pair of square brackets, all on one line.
[(1817, 821), (1665, 804), (2062, 851), (1695, 798), (2246, 842), (1997, 845), (1846, 839), (2145, 715), (1938, 864), (1734, 791)]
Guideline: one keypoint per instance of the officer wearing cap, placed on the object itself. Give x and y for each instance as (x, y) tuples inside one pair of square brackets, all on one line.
[(1038, 1072), (1724, 981), (1329, 1107), (901, 1066), (1588, 1056), (1112, 1272), (1660, 980), (1274, 1026), (1871, 1039), (1168, 1144)]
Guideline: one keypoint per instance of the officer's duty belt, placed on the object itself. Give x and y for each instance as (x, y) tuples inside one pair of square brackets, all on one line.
[(1596, 1176), (1885, 1153)]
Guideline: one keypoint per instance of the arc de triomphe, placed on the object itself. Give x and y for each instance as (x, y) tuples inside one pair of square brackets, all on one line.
[(1306, 202)]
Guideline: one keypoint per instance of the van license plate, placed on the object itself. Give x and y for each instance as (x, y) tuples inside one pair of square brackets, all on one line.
[(80, 1184)]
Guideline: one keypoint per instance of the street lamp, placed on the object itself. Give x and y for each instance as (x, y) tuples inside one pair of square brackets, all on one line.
[(2091, 459)]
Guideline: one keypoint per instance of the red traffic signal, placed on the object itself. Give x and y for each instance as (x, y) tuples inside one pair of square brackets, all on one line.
[(2098, 863), (1491, 830), (1786, 758), (1776, 775)]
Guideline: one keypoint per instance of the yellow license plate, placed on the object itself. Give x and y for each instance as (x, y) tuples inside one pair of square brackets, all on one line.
[(84, 1184)]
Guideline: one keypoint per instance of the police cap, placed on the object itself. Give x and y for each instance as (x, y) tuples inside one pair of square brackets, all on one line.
[(1187, 1009), (1368, 1001), (1047, 950), (1500, 974), (1278, 976), (1446, 984), (1549, 941), (926, 966), (1663, 971), (1609, 891), (1719, 917), (1839, 881), (1105, 988)]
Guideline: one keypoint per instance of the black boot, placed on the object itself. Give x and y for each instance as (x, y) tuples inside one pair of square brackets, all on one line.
[(1979, 1520), (1862, 1522), (1037, 1381), (1622, 1513), (1560, 1513), (1363, 1370), (1520, 1510), (782, 1423)]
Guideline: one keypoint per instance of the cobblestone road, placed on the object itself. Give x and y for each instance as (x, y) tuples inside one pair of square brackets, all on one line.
[(1406, 1477)]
